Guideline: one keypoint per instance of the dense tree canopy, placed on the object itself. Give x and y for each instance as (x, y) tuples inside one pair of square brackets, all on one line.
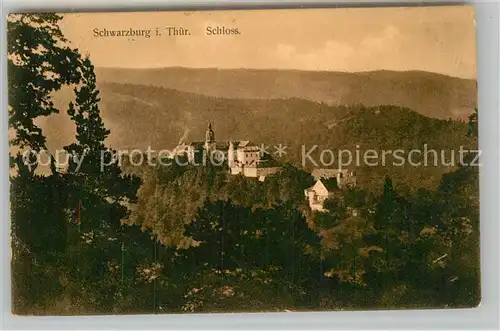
[(97, 237)]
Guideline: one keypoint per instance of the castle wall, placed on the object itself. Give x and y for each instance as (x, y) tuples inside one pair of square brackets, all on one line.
[(250, 172), (235, 170), (267, 171)]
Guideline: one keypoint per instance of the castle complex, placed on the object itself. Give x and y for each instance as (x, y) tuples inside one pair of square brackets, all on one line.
[(242, 157), (247, 159)]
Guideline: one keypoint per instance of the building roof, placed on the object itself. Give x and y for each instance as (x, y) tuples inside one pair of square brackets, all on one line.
[(199, 144), (330, 184), (243, 144), (223, 145), (219, 145), (321, 173)]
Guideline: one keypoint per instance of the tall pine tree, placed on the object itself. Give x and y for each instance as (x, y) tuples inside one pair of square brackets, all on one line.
[(39, 62), (107, 254)]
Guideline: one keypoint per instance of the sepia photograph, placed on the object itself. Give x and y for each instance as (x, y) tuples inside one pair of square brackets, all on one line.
[(221, 161)]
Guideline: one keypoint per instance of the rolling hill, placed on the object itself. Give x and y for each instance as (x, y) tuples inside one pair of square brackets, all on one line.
[(140, 116), (430, 94)]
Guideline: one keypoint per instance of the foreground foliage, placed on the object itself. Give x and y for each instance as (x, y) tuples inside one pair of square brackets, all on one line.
[(193, 239)]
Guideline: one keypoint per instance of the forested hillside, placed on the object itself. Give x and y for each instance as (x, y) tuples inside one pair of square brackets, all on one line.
[(142, 116), (97, 237), (398, 250), (427, 93)]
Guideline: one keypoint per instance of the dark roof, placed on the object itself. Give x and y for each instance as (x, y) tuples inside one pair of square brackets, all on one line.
[(219, 145), (197, 144), (243, 144), (320, 173), (224, 145), (330, 184)]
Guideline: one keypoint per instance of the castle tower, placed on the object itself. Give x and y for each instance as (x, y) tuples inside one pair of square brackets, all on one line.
[(230, 155), (209, 134), (209, 140)]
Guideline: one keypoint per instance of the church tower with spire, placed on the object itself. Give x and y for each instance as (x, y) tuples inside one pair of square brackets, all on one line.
[(210, 145), (209, 134)]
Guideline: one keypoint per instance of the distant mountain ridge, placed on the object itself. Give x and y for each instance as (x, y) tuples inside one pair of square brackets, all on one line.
[(430, 94), (140, 116)]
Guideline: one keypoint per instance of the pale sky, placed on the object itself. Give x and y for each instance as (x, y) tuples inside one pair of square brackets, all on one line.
[(436, 39)]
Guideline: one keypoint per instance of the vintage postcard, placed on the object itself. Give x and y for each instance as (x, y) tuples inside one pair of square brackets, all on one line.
[(243, 160)]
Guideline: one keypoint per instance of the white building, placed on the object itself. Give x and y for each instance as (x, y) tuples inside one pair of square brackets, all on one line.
[(327, 181), (344, 177), (245, 158), (243, 153), (319, 192), (242, 157)]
